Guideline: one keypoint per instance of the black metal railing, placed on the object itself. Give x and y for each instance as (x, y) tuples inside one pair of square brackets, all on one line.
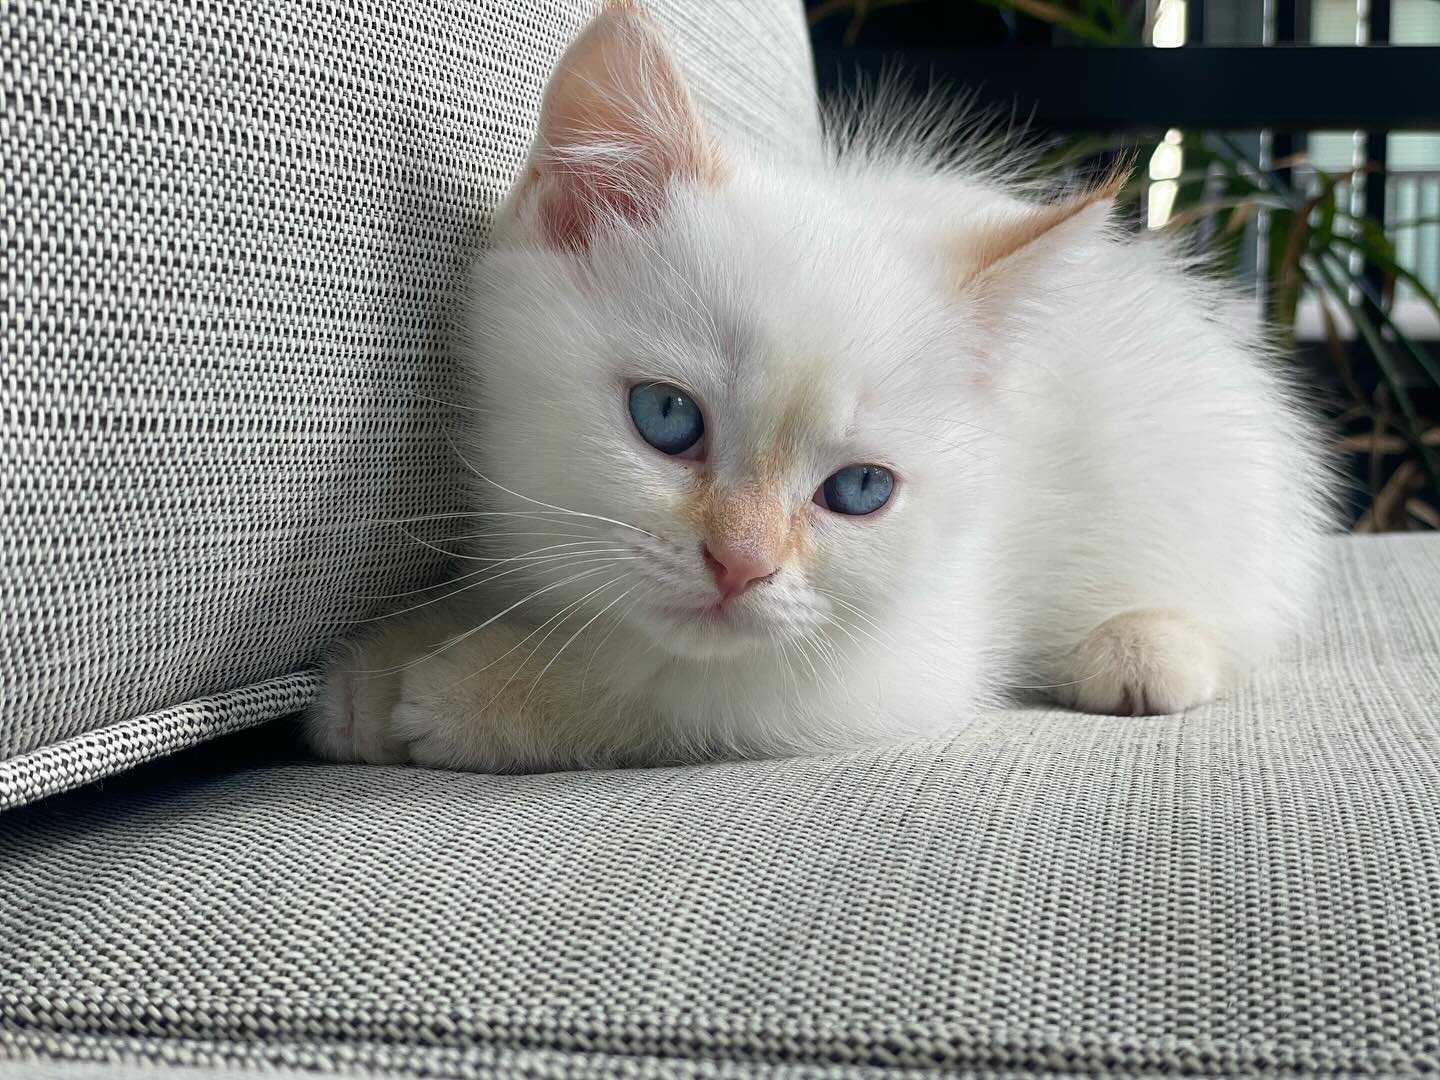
[(1374, 88)]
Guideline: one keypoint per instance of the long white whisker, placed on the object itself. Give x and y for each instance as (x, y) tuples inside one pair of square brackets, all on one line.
[(894, 650), (528, 558), (563, 615), (1052, 686), (426, 543), (579, 561), (825, 650), (588, 623), (506, 534), (784, 653), (805, 656), (462, 555), (543, 515), (538, 502), (442, 401), (520, 644), (844, 629), (888, 646), (456, 639), (856, 612), (619, 619), (885, 639), (537, 554)]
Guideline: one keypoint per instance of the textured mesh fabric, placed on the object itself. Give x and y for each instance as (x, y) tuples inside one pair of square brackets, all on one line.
[(116, 747), (512, 1064), (1250, 888), (233, 240)]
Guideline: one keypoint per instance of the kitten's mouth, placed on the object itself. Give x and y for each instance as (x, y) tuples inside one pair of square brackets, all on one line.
[(705, 631), (716, 612), (718, 615)]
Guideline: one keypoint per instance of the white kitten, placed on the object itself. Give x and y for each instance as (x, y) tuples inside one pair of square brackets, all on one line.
[(773, 456)]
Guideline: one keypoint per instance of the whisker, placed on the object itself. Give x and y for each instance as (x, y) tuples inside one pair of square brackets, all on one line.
[(537, 502), (885, 640), (536, 554), (832, 620), (562, 615), (865, 633), (506, 534), (619, 620), (588, 623), (529, 557), (456, 639), (784, 654), (442, 401), (433, 547), (485, 581), (484, 558), (1052, 686), (520, 644), (825, 650), (805, 656), (850, 630), (541, 514), (855, 611), (892, 649)]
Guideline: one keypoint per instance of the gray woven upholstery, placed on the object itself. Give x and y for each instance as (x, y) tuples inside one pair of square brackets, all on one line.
[(232, 242), (1249, 888), (120, 746)]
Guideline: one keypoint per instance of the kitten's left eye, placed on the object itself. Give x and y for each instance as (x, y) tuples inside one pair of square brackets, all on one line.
[(857, 490), (666, 417)]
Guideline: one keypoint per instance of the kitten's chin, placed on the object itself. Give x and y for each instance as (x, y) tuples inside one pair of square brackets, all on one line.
[(710, 634)]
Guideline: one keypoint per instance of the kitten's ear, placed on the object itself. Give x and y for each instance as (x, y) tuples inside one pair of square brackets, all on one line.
[(616, 128), (999, 260)]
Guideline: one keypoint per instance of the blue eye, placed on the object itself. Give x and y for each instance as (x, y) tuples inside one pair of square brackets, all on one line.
[(857, 490), (666, 417)]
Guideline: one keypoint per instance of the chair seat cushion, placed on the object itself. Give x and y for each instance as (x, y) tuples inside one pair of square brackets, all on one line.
[(1251, 887)]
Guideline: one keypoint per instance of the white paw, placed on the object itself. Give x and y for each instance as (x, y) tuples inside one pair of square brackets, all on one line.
[(352, 719), (451, 711), (1144, 663), (419, 719)]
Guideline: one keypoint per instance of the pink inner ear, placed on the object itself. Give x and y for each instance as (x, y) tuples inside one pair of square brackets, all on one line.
[(616, 128), (567, 218), (573, 206)]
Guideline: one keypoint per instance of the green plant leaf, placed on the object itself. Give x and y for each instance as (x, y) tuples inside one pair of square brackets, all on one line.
[(1336, 285), (1383, 255), (1422, 359)]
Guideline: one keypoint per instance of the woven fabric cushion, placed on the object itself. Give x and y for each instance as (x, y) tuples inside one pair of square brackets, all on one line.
[(233, 241), (1253, 887)]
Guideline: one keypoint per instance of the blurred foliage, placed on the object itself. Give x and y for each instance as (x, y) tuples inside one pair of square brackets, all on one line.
[(1318, 244)]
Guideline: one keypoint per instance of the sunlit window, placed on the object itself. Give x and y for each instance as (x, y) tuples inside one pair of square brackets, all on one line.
[(1166, 164)]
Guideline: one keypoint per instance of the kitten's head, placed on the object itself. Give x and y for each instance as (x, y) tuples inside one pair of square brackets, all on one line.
[(738, 402)]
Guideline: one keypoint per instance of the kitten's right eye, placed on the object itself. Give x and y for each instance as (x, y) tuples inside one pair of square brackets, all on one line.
[(666, 417)]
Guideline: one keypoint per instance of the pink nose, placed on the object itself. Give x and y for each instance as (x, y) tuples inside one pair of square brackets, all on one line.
[(736, 571)]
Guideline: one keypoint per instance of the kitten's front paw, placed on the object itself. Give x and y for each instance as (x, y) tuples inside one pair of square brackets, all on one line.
[(1144, 663), (351, 721), (419, 718), (465, 706)]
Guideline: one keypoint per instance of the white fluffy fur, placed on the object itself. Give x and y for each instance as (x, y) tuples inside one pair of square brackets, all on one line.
[(1104, 487)]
